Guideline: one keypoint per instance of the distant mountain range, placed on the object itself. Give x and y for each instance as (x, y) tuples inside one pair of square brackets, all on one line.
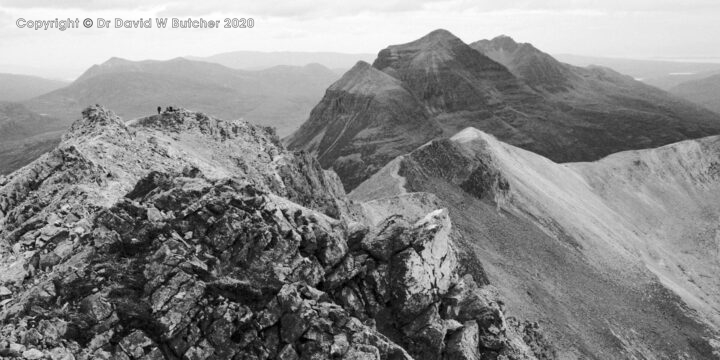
[(254, 60), (22, 87), (280, 96), (704, 91), (659, 73), (436, 86)]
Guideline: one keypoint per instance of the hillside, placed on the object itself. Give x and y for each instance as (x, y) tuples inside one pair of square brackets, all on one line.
[(279, 97), (181, 236), (14, 87), (18, 144), (705, 92), (616, 258), (18, 122), (514, 91)]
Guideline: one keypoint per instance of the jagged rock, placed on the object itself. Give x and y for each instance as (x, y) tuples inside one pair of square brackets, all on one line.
[(288, 353), (10, 353), (47, 261), (135, 344), (60, 353), (463, 344), (33, 354), (192, 264), (154, 214)]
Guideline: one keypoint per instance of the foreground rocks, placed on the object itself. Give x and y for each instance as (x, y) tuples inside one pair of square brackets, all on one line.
[(186, 265)]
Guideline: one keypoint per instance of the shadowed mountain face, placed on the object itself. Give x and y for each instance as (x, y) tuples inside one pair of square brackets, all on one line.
[(280, 97), (367, 112), (514, 91), (705, 92), (616, 258)]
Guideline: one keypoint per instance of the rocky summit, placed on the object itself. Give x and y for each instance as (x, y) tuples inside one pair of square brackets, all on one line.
[(182, 236)]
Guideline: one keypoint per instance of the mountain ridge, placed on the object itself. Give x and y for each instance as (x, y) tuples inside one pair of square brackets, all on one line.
[(180, 235), (612, 250), (585, 114)]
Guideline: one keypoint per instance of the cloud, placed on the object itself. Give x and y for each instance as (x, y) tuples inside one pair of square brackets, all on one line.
[(277, 8), (600, 5), (5, 19), (297, 8), (330, 8), (76, 4)]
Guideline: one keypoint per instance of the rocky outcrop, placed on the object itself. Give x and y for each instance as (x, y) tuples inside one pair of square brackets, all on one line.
[(187, 268), (114, 247)]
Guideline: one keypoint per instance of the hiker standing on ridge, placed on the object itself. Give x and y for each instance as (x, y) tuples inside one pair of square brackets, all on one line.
[(159, 110)]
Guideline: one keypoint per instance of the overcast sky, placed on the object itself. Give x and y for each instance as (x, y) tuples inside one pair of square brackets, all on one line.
[(611, 28)]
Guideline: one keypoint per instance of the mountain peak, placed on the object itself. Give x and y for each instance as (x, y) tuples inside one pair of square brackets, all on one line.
[(470, 134), (498, 43), (535, 67), (111, 65), (115, 61), (436, 39), (505, 41), (438, 35), (95, 120)]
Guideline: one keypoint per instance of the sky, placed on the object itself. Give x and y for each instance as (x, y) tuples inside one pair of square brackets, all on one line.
[(646, 29)]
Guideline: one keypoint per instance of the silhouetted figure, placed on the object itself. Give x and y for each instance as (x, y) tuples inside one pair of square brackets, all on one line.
[(159, 109)]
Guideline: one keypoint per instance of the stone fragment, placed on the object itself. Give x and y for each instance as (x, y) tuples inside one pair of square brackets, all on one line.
[(33, 354)]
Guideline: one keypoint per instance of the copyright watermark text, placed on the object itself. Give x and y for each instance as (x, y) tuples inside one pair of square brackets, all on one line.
[(149, 23)]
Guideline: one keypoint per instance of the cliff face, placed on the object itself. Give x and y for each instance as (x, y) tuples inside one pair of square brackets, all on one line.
[(184, 236), (614, 258)]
